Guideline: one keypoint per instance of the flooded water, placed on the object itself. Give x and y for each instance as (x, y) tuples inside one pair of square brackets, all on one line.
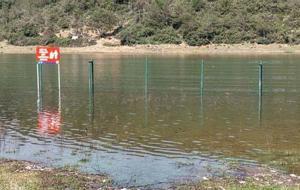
[(148, 121)]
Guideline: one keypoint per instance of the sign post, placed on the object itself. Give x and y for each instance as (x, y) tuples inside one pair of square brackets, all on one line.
[(260, 89), (48, 55)]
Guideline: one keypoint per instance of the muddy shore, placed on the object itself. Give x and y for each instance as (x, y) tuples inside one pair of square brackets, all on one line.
[(183, 49), (27, 175)]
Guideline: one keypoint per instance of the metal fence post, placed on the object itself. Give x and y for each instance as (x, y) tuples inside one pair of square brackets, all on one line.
[(91, 76)]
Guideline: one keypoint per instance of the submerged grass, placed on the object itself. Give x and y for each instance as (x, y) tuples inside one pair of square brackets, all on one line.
[(286, 160), (15, 175), (248, 177)]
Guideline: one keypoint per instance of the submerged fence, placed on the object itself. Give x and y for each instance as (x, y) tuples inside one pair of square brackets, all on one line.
[(200, 77)]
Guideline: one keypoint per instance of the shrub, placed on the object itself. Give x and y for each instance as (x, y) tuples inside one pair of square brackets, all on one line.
[(63, 23), (165, 36), (264, 41), (30, 30), (197, 22), (138, 34), (102, 18), (197, 38)]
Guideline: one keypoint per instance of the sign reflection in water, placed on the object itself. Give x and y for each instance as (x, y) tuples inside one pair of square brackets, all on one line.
[(49, 122)]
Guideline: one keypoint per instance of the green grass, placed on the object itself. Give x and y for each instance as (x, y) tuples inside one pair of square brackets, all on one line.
[(233, 184), (15, 176)]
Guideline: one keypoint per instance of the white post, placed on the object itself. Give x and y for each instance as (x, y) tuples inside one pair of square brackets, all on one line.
[(38, 81), (38, 86), (59, 89)]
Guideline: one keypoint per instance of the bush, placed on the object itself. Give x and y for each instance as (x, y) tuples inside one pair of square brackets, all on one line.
[(148, 35), (102, 18), (23, 41), (292, 37), (138, 34), (165, 36), (264, 41), (63, 23), (30, 30), (197, 38), (197, 22), (2, 35)]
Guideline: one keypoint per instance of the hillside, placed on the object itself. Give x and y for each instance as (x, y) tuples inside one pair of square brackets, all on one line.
[(195, 22)]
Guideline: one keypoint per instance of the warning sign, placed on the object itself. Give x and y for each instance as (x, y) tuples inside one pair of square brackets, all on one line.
[(47, 55)]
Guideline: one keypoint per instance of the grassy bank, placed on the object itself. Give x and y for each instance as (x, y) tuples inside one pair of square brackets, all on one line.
[(248, 177), (29, 176), (233, 184), (17, 175)]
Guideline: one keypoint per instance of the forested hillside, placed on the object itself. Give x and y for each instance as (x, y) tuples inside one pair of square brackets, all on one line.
[(195, 22)]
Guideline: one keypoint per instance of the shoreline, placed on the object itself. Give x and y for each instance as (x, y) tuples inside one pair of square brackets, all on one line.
[(214, 49), (16, 174)]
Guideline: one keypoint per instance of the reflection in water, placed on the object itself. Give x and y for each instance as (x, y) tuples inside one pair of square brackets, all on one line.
[(39, 73), (202, 80), (164, 95), (91, 107), (49, 122), (146, 92), (260, 91), (260, 108)]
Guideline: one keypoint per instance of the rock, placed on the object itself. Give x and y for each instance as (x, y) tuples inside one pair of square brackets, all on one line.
[(75, 37), (280, 182)]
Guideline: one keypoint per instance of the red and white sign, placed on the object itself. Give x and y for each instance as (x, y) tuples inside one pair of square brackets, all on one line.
[(46, 55)]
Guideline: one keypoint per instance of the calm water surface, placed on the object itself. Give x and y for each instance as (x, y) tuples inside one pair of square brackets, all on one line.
[(148, 123)]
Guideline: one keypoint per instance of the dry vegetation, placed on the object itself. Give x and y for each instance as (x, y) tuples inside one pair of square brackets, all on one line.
[(194, 22), (15, 175)]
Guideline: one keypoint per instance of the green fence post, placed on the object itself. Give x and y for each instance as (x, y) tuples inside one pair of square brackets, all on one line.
[(91, 76), (91, 90)]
